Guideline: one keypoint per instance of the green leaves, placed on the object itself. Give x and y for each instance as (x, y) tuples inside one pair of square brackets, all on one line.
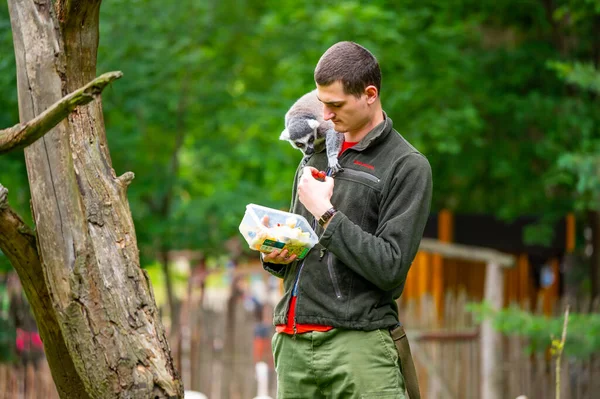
[(583, 338), (583, 75), (501, 97)]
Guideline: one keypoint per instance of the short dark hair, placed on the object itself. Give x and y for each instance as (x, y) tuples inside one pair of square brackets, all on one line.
[(350, 63)]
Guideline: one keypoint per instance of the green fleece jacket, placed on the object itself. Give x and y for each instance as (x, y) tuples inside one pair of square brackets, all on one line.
[(353, 276)]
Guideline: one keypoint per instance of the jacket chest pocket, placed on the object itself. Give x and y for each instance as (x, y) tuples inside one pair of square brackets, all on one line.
[(357, 194), (360, 177)]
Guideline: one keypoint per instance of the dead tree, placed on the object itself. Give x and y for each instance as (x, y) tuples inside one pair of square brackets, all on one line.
[(80, 269)]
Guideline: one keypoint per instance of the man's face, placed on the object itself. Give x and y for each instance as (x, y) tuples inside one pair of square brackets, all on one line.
[(347, 112)]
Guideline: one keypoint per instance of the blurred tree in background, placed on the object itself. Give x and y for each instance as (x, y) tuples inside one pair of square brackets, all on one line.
[(502, 97)]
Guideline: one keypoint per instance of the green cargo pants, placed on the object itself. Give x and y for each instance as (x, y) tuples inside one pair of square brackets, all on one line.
[(337, 364)]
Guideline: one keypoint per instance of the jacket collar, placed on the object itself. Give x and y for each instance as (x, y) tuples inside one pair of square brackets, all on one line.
[(378, 131)]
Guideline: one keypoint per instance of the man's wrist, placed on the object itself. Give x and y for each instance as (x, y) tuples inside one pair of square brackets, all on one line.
[(321, 209), (326, 216)]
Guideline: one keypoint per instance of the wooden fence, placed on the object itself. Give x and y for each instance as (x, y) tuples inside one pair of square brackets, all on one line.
[(27, 382), (217, 350), (448, 358), (218, 358), (216, 353)]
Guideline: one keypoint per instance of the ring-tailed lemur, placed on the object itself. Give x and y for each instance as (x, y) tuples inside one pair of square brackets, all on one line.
[(304, 124)]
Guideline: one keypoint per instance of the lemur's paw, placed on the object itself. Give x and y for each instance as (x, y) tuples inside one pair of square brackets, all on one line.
[(304, 161), (335, 167)]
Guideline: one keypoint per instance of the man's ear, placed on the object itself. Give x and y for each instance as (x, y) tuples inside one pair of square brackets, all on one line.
[(285, 135), (372, 93), (313, 123)]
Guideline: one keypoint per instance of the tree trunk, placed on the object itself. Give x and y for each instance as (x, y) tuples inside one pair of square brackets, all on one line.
[(18, 243), (101, 298), (594, 243)]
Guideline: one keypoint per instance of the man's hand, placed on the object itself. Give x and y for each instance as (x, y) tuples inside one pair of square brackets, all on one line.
[(315, 195), (277, 257)]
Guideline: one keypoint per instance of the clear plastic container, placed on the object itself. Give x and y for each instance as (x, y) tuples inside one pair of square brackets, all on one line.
[(284, 231)]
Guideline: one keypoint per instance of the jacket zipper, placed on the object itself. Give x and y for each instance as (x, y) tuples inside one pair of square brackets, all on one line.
[(295, 289), (333, 276), (352, 172), (295, 294)]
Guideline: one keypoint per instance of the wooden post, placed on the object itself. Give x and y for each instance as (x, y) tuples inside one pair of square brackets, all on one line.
[(491, 348), (445, 234), (570, 233), (524, 281), (491, 340)]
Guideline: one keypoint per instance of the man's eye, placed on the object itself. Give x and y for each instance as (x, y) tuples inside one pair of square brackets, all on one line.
[(299, 145)]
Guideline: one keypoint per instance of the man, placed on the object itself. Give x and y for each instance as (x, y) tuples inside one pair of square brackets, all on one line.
[(339, 303)]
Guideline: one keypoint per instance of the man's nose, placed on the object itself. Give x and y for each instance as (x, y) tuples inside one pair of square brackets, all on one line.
[(327, 114)]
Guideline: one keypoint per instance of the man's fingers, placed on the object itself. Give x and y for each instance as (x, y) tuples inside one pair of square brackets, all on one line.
[(271, 255), (285, 257), (279, 257), (282, 255)]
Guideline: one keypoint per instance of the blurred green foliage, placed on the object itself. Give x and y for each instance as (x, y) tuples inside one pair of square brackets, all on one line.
[(502, 97), (583, 330)]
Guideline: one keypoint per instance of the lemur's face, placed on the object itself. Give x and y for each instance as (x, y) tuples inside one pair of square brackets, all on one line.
[(301, 133), (305, 144)]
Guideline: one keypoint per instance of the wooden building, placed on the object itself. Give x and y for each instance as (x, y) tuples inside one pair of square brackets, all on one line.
[(535, 277)]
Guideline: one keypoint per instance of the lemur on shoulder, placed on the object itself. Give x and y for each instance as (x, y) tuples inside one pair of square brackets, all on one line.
[(304, 125)]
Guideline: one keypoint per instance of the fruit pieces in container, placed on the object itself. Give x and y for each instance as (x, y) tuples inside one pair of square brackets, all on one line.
[(284, 231)]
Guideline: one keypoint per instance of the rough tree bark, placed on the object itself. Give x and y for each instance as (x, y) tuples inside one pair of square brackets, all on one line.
[(98, 301), (18, 242)]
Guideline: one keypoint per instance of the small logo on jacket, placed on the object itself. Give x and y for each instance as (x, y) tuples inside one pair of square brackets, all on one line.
[(366, 165)]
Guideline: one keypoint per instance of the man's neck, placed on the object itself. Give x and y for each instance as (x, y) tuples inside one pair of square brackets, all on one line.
[(360, 134)]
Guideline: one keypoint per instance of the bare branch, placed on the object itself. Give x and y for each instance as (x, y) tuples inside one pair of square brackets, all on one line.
[(126, 178), (124, 181), (18, 242), (13, 230), (559, 347), (24, 134), (3, 198)]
